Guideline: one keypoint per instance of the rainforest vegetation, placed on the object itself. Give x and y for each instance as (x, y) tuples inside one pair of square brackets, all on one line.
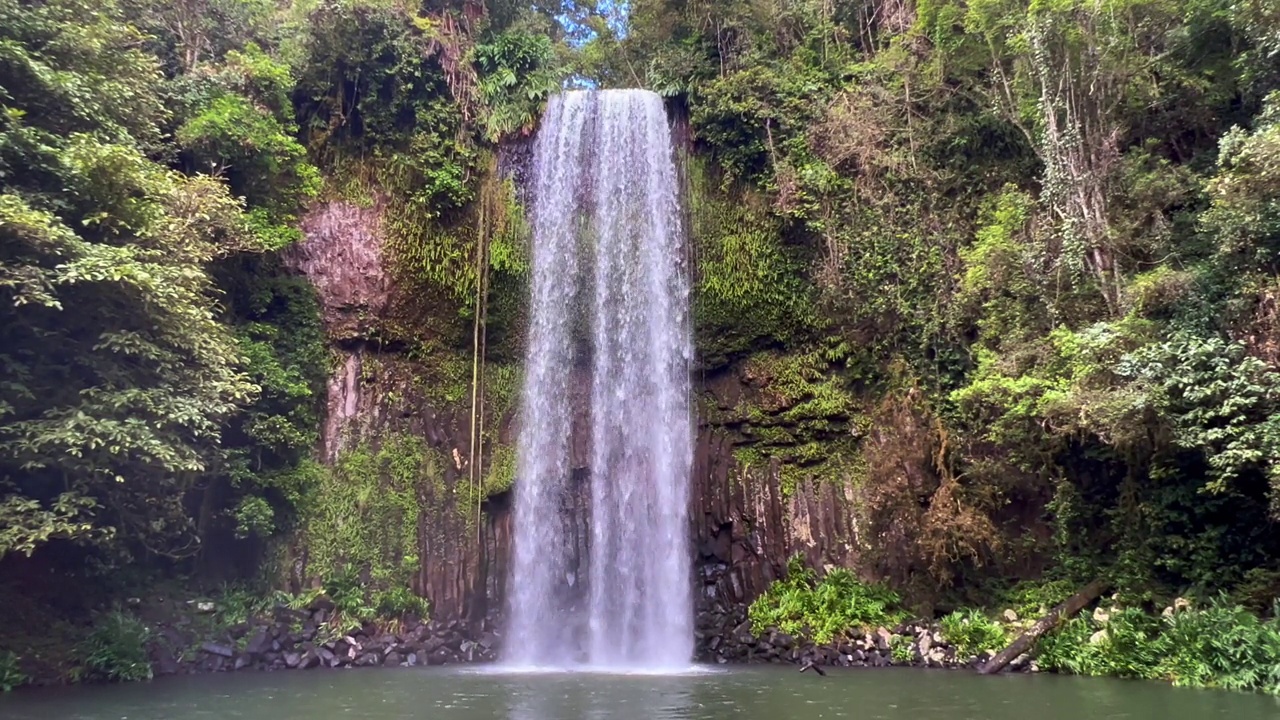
[(1011, 266)]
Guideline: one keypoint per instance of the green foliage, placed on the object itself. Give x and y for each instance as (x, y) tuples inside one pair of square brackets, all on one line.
[(1219, 400), (515, 77), (257, 152), (357, 602), (399, 601), (239, 603), (361, 531), (1219, 646), (823, 609), (902, 649), (116, 649), (749, 288), (368, 83), (1031, 598), (268, 446), (11, 675), (972, 632), (105, 266)]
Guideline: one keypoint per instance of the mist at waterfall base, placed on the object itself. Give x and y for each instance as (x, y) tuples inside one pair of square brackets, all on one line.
[(610, 293)]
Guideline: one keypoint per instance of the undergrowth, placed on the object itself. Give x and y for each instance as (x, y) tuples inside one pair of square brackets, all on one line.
[(822, 609), (116, 649), (11, 675), (972, 632), (1218, 646)]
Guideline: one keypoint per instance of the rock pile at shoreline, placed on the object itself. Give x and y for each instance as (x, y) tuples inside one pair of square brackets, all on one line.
[(725, 637), (304, 639)]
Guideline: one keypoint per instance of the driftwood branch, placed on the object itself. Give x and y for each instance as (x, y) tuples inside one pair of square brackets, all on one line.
[(1027, 640)]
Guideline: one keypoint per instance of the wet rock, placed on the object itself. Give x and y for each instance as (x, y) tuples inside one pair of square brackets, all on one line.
[(165, 664), (310, 659), (260, 643), (218, 650), (392, 660), (243, 661), (882, 639), (327, 657), (292, 660)]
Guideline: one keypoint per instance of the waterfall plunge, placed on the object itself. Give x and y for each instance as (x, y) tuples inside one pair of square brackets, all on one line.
[(609, 292)]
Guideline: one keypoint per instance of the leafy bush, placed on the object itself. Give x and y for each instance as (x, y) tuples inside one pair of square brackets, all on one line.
[(348, 594), (11, 675), (1035, 598), (399, 601), (902, 649), (800, 604), (116, 649), (1219, 646), (972, 632)]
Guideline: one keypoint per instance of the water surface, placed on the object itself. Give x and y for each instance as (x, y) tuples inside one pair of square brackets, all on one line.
[(770, 693)]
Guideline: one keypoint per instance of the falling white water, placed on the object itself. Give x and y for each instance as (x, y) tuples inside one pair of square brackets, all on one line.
[(610, 291)]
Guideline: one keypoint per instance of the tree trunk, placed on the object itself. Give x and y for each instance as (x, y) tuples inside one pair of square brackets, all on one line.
[(1027, 640)]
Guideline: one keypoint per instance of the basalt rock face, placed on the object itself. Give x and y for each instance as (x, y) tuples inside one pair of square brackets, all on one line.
[(378, 387), (344, 258), (745, 520)]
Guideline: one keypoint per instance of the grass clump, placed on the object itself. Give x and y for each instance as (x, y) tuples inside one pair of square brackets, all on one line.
[(822, 609), (972, 632), (902, 650), (1034, 598), (1219, 646), (11, 675), (116, 649)]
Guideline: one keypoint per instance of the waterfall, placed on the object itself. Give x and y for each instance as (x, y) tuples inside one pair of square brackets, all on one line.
[(610, 294)]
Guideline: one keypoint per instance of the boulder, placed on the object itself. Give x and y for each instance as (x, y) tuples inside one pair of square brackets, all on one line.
[(882, 639), (218, 650), (292, 660), (1010, 616), (260, 643), (310, 659), (392, 660), (327, 657)]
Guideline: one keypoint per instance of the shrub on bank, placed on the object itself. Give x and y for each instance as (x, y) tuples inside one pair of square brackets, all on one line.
[(972, 632), (820, 609), (11, 675), (116, 649), (1218, 646)]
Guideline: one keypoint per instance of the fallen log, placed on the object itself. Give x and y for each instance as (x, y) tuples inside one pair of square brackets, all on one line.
[(1027, 640)]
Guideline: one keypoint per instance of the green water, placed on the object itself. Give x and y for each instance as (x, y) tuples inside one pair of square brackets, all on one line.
[(743, 694)]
